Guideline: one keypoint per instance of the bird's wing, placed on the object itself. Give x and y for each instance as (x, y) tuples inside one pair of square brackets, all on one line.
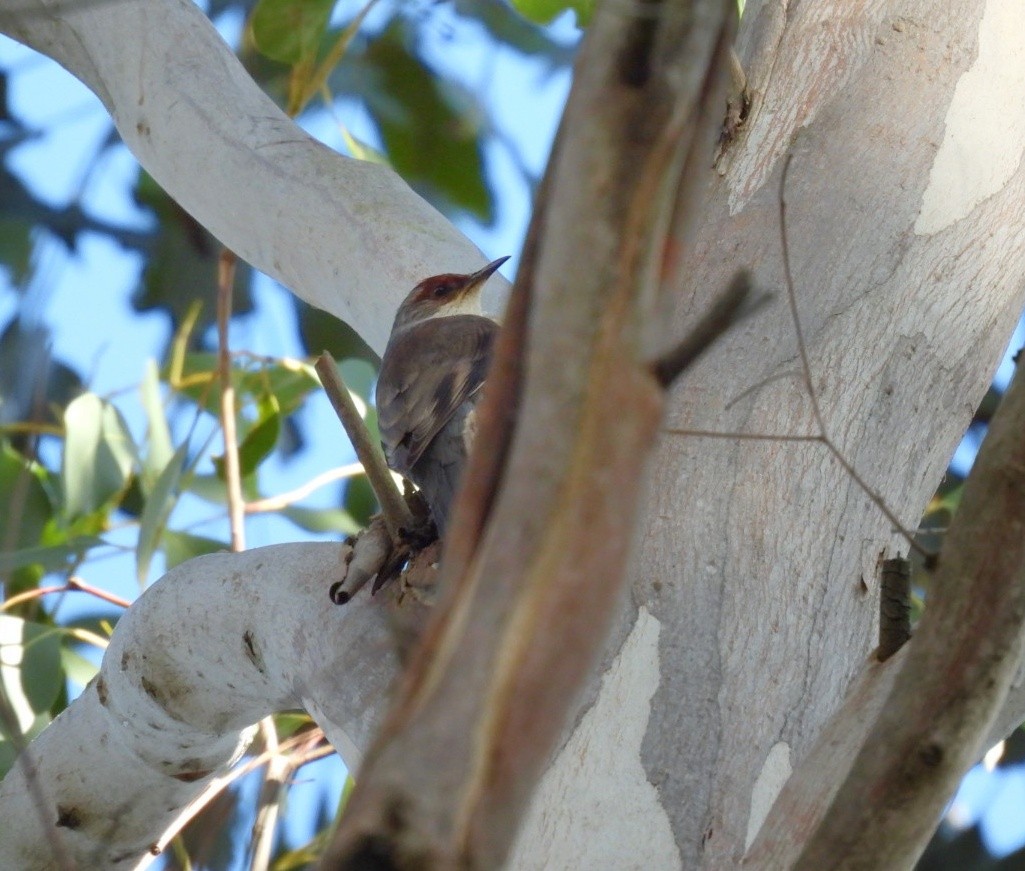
[(429, 369)]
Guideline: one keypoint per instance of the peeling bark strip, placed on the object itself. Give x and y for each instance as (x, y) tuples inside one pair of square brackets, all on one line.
[(894, 607), (527, 605)]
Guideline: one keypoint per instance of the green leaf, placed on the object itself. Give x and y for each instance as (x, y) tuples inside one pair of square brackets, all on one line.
[(32, 383), (209, 487), (30, 668), (159, 506), (320, 331), (261, 439), (322, 519), (98, 455), (362, 150), (289, 380), (258, 442), (431, 128), (545, 11), (290, 31), (359, 376), (288, 723), (182, 546), (198, 380), (360, 501), (505, 25), (77, 668), (50, 558), (26, 509), (159, 447), (15, 248)]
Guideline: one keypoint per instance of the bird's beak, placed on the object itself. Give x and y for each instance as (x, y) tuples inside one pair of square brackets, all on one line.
[(477, 279)]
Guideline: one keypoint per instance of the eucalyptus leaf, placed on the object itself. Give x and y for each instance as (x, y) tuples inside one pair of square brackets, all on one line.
[(159, 506), (76, 667), (545, 11), (159, 448), (24, 503), (30, 668), (182, 546), (98, 455), (50, 558), (322, 519), (432, 128), (290, 31)]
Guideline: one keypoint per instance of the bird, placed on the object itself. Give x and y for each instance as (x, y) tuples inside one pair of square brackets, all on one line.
[(432, 373)]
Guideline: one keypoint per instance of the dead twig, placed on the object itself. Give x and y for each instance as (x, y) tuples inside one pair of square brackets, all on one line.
[(232, 472), (396, 513)]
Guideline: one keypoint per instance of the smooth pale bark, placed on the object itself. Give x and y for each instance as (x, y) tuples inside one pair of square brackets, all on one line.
[(215, 645), (754, 599), (345, 235), (758, 560)]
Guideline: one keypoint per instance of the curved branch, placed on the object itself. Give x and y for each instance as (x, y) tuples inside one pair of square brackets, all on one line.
[(347, 236), (215, 645)]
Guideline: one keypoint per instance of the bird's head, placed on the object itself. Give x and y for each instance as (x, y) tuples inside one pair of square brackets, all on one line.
[(444, 295)]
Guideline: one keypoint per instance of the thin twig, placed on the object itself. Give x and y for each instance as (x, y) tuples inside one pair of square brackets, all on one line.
[(730, 307), (283, 500), (272, 793), (219, 784), (87, 637), (758, 385), (822, 439), (880, 503), (802, 348), (232, 473), (396, 513), (792, 299), (74, 585), (743, 436)]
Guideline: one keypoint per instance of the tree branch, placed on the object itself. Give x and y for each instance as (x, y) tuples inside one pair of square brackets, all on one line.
[(216, 644), (347, 236)]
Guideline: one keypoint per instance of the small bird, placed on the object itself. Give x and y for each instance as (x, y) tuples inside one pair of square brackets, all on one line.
[(431, 377)]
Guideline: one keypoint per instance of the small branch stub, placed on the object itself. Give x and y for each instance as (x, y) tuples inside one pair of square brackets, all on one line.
[(364, 559), (733, 305)]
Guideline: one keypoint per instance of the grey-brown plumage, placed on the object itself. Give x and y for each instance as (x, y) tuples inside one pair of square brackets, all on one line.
[(431, 378)]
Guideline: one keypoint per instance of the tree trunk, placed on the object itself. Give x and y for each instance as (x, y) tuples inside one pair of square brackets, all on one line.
[(755, 593)]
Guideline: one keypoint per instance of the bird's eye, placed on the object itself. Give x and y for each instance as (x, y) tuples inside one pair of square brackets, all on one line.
[(440, 291)]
